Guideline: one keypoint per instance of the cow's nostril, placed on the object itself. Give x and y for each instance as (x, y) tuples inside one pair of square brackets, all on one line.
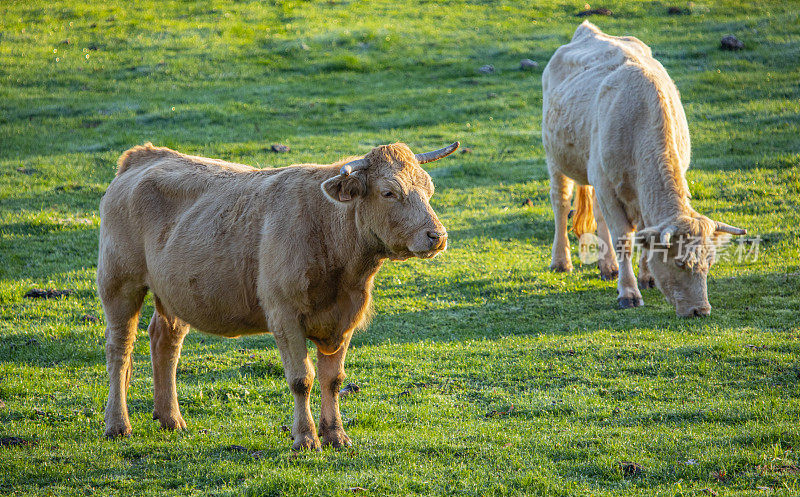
[(433, 235), (701, 311)]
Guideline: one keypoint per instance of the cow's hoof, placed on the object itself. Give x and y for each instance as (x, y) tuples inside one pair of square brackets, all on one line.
[(628, 302), (647, 283), (609, 275), (561, 267), (306, 442), (170, 422), (337, 440), (115, 430)]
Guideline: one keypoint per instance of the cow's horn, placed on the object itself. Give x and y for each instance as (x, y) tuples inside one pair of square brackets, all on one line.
[(437, 154), (353, 165), (666, 235), (727, 228)]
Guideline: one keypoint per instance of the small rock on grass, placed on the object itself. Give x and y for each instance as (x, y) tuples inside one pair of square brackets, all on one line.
[(236, 448), (88, 318), (602, 11), (27, 170), (731, 42), (528, 64), (487, 69), (350, 388), (678, 11), (629, 468), (280, 148), (16, 442), (50, 293)]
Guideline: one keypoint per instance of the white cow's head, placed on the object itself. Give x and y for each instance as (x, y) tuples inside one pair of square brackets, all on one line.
[(680, 254)]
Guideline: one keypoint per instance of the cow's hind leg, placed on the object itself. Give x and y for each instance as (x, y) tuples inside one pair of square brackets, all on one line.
[(166, 339), (299, 371), (560, 198), (331, 376), (121, 305)]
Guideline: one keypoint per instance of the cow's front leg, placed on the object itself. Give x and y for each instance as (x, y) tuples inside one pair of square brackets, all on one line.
[(622, 234), (299, 372), (560, 199), (609, 269), (331, 376), (646, 279), (628, 292)]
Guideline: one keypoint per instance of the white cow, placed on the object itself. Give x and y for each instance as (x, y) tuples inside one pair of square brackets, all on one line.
[(613, 120)]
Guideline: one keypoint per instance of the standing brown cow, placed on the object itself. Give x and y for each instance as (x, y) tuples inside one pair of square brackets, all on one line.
[(233, 250)]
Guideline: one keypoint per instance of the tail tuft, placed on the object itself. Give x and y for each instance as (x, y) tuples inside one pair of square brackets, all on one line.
[(583, 220)]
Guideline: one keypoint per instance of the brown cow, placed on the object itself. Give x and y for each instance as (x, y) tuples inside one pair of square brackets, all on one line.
[(613, 119), (232, 250)]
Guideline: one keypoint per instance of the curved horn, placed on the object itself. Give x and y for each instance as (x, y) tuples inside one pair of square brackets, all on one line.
[(353, 165), (727, 228), (437, 154), (666, 235)]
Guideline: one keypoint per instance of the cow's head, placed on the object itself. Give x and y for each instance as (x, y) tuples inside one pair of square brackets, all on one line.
[(679, 254), (391, 195)]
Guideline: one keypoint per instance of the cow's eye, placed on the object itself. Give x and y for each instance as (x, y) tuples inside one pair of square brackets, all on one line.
[(388, 194)]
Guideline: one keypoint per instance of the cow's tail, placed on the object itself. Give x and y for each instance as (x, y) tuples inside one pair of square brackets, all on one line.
[(583, 219), (134, 156)]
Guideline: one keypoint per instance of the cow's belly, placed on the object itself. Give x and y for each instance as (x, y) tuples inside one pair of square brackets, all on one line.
[(207, 276), (210, 303), (567, 137)]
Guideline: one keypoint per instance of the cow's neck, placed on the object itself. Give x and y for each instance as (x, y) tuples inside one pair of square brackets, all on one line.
[(663, 201)]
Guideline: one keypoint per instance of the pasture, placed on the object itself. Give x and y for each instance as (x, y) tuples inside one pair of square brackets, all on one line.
[(482, 372)]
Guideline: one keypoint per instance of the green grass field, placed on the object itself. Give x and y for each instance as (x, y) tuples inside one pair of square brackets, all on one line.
[(482, 373)]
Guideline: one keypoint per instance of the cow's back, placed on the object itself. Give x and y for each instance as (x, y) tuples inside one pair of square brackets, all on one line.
[(599, 91)]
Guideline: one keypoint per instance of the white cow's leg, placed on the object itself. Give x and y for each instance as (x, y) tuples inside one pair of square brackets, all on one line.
[(628, 292), (560, 199), (622, 234), (299, 371), (331, 376), (609, 269), (646, 279), (121, 305), (166, 340)]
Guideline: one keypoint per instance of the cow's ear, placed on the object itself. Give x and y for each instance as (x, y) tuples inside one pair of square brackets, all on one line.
[(647, 237), (343, 188)]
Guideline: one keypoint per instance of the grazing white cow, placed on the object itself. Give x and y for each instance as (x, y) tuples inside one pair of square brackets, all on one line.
[(613, 120)]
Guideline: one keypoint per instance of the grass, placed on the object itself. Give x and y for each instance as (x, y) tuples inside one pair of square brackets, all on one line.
[(482, 373)]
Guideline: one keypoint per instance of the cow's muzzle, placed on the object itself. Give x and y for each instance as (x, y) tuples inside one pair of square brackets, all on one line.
[(434, 242), (437, 240)]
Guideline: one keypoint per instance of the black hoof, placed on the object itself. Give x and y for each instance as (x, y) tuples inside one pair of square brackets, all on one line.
[(609, 276), (648, 283), (629, 302)]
